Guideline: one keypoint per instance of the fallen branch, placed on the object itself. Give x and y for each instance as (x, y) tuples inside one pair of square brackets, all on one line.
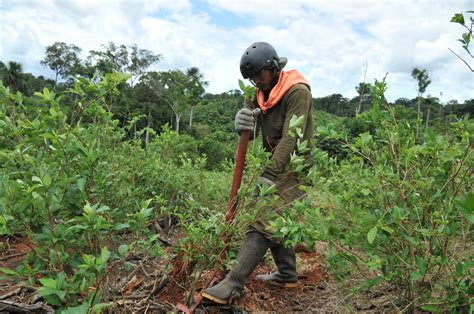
[(9, 306), (12, 256), (156, 289), (10, 293)]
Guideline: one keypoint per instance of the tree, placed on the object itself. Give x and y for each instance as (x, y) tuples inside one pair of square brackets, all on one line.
[(62, 59), (421, 75), (13, 76), (335, 104), (182, 91), (125, 59), (363, 90), (175, 84), (405, 102), (196, 85), (150, 93)]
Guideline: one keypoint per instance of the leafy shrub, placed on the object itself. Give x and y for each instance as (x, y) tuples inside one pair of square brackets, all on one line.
[(397, 207)]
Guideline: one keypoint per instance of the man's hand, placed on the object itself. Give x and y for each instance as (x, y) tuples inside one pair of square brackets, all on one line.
[(244, 120)]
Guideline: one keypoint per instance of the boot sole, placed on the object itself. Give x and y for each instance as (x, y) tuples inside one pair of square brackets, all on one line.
[(214, 299), (289, 285), (279, 284)]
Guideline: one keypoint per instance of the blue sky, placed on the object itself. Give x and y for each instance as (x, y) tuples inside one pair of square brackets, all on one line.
[(329, 42)]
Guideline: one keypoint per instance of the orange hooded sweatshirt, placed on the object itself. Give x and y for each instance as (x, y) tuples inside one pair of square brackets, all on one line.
[(286, 81)]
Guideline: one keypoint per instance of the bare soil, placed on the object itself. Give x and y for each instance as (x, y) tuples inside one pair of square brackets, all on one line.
[(141, 289)]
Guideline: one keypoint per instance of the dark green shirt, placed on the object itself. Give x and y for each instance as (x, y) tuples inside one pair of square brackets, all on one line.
[(274, 126)]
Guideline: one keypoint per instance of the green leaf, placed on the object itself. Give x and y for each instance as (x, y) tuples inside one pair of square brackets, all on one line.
[(80, 309), (45, 291), (104, 255), (420, 264), (267, 190), (61, 294), (101, 306), (466, 207), (121, 226), (431, 308), (60, 280), (296, 121), (410, 239), (242, 85), (83, 285), (365, 138), (458, 18), (467, 38), (80, 184), (53, 112), (122, 249), (371, 235), (415, 276), (9, 271), (102, 209), (147, 212), (48, 282), (387, 229), (36, 179), (47, 180), (398, 213)]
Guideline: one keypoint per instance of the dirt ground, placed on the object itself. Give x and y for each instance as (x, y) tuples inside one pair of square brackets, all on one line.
[(144, 289)]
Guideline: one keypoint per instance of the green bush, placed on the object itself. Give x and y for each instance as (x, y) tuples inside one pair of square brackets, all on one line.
[(398, 207), (73, 187)]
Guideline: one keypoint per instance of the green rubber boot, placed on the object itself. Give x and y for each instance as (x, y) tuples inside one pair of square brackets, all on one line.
[(285, 260), (250, 254)]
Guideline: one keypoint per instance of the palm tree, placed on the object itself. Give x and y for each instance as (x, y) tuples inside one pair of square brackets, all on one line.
[(195, 88), (13, 77)]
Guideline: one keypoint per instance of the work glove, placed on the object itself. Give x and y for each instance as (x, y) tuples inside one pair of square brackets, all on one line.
[(245, 119)]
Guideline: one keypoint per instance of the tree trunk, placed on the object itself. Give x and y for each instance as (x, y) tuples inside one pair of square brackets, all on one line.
[(428, 117), (56, 78), (178, 117), (147, 134), (418, 116), (191, 117)]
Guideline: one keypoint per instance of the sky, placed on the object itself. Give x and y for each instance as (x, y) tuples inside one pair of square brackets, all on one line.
[(334, 43)]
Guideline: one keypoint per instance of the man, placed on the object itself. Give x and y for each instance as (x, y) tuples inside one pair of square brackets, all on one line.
[(280, 96)]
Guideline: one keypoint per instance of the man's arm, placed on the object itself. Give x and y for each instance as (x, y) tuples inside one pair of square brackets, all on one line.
[(299, 104)]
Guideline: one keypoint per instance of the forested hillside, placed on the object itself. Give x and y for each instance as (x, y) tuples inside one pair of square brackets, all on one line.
[(110, 171)]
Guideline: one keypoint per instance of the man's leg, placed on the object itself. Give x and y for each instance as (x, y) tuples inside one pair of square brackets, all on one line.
[(250, 254), (285, 260)]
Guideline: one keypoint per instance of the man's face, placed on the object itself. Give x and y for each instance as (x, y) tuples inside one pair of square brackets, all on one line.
[(263, 79)]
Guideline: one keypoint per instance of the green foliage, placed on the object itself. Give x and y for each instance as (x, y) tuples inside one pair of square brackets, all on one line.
[(400, 208), (421, 75), (466, 37), (73, 188), (88, 170), (62, 59)]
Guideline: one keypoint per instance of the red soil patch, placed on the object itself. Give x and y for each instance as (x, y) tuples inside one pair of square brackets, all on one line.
[(12, 253), (259, 296)]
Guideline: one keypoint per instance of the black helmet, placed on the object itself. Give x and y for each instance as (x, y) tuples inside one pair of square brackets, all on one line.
[(258, 56)]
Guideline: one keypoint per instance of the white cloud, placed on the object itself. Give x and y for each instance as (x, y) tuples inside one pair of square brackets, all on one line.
[(327, 41)]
